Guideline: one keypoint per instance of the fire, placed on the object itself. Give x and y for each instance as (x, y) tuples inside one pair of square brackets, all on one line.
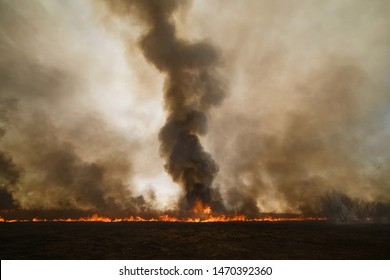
[(167, 218), (201, 207)]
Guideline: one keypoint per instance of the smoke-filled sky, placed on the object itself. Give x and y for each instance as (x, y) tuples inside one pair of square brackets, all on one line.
[(248, 105)]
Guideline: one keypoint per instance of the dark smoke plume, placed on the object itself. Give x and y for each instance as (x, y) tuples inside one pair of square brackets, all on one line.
[(304, 127), (191, 88)]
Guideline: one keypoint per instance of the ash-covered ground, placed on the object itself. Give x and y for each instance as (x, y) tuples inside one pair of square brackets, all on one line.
[(160, 240)]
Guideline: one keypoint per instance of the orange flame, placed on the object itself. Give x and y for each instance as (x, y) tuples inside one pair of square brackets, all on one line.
[(166, 218), (201, 207)]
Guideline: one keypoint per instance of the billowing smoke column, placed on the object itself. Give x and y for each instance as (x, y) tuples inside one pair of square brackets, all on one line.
[(305, 128), (191, 89)]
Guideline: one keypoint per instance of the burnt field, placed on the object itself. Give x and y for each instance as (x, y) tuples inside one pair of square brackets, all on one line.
[(159, 240)]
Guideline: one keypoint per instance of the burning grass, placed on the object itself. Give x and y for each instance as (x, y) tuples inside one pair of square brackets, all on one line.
[(166, 218), (201, 213)]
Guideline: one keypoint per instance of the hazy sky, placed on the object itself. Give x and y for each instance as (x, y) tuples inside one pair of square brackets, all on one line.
[(305, 108)]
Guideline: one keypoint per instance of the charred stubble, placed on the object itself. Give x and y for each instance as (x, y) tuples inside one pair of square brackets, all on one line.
[(242, 240)]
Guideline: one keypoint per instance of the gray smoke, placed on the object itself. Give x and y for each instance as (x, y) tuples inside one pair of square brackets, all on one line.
[(304, 125), (191, 88), (55, 151), (308, 103)]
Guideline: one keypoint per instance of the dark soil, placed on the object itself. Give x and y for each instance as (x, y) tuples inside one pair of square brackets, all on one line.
[(158, 240)]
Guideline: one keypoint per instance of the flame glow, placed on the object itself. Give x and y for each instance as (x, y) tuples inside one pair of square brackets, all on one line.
[(201, 213), (200, 207), (166, 218)]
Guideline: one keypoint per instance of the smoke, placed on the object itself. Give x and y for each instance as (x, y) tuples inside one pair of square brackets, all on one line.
[(191, 88), (9, 172), (306, 109), (57, 150), (340, 207), (303, 126), (9, 175), (296, 163)]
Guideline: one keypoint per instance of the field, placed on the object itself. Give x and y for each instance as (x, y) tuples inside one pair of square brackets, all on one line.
[(159, 240)]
